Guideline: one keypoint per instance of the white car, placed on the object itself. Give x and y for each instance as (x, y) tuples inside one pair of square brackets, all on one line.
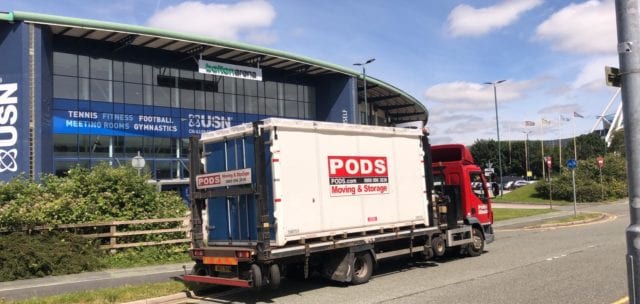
[(519, 183), (508, 185)]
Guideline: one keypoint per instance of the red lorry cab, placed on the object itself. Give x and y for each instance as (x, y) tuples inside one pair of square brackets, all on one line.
[(455, 174)]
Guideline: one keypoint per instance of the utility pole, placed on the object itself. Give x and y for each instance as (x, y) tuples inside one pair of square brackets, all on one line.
[(627, 20)]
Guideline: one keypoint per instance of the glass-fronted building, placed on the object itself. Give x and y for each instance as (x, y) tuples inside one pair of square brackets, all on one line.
[(78, 92)]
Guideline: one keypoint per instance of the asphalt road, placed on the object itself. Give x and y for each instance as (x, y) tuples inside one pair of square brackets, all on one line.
[(580, 264)]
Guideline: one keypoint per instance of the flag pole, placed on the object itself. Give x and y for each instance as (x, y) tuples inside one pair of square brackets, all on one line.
[(575, 150), (560, 145), (542, 146), (509, 146)]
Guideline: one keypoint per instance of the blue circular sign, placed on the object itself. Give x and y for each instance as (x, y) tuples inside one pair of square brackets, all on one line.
[(572, 163)]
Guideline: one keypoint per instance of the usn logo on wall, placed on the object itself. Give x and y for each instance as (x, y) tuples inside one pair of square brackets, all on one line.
[(8, 130)]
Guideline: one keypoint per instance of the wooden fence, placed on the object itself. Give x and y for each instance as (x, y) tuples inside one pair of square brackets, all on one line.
[(109, 237)]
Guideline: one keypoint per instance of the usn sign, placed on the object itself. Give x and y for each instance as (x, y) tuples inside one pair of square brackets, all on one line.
[(8, 130)]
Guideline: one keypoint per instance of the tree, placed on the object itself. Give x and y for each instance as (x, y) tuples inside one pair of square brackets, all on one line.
[(617, 143), (514, 161)]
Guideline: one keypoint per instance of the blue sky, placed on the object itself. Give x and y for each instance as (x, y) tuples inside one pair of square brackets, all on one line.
[(551, 53)]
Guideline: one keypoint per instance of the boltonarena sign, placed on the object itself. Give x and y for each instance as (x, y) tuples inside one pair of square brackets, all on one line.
[(229, 70)]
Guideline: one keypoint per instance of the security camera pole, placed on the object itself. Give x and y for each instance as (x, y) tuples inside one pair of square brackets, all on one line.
[(628, 21)]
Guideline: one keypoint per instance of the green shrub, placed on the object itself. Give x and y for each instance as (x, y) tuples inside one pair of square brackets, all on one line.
[(588, 187), (50, 253), (85, 195), (99, 194)]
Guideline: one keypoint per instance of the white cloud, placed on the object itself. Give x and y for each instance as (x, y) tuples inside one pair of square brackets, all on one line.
[(592, 75), (247, 19), (470, 96), (586, 28), (465, 20), (262, 37)]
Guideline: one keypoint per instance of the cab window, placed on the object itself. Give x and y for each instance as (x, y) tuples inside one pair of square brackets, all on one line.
[(477, 185)]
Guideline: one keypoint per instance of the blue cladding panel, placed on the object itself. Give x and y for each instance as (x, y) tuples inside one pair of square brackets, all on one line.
[(336, 97), (44, 100), (14, 100)]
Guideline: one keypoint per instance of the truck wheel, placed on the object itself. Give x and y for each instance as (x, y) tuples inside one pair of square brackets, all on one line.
[(438, 246), (476, 247), (274, 276), (362, 268), (256, 277)]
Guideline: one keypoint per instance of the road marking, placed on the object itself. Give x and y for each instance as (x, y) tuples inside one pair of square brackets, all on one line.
[(624, 300)]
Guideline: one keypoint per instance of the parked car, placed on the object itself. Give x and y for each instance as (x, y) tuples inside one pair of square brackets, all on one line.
[(519, 183), (508, 185)]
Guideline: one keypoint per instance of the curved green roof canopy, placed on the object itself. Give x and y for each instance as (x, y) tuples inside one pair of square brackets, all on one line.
[(399, 106)]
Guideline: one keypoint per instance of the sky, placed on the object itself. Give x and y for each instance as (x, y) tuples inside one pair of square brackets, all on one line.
[(551, 53)]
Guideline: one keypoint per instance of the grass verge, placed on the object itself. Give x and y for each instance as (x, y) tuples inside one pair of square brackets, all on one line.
[(109, 295), (147, 256), (526, 194), (570, 219), (501, 214)]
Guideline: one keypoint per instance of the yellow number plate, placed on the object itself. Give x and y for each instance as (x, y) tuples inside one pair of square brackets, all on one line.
[(222, 268)]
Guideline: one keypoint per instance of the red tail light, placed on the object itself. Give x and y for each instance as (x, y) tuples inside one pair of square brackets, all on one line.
[(198, 253), (243, 254)]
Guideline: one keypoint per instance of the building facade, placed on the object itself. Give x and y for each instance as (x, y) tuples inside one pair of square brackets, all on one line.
[(79, 92)]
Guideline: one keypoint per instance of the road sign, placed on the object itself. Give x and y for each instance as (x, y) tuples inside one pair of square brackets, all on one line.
[(600, 162), (572, 163), (138, 162), (548, 159), (612, 76)]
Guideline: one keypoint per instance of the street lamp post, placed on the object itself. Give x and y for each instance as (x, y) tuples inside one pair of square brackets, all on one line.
[(495, 100), (364, 79), (526, 153)]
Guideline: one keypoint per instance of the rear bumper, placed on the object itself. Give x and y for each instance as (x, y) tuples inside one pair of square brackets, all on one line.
[(215, 280)]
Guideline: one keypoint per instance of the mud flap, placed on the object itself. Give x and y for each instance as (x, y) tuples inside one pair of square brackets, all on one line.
[(339, 267)]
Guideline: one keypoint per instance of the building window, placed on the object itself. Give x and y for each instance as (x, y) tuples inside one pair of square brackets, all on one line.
[(65, 87), (91, 79), (65, 64)]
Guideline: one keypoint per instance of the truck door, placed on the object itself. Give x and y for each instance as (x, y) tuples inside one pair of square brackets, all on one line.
[(479, 203)]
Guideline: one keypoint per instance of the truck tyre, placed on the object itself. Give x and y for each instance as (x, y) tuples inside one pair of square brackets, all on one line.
[(362, 268), (274, 276), (256, 277), (476, 247), (438, 246)]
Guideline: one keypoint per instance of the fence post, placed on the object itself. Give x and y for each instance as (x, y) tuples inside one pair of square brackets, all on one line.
[(187, 223), (112, 238)]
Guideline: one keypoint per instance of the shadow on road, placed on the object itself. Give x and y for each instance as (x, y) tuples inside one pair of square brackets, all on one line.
[(290, 287)]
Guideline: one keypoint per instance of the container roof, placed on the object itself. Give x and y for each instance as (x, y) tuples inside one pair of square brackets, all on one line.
[(399, 106)]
